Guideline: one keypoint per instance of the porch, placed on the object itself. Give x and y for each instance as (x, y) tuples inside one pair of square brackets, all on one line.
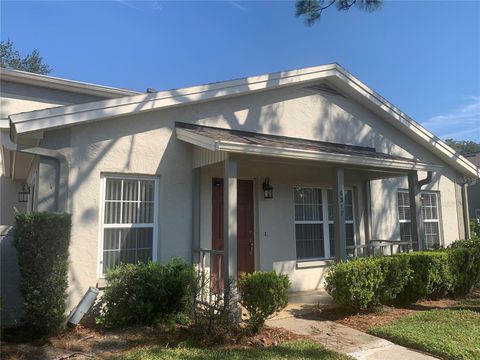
[(319, 211)]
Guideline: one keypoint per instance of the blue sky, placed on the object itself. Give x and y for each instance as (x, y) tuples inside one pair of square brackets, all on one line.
[(422, 56)]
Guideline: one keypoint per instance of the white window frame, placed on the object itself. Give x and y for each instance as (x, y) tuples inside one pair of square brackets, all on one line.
[(103, 226), (325, 221), (404, 221), (437, 220)]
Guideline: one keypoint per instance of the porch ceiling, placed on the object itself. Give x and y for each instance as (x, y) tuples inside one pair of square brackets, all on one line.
[(244, 142)]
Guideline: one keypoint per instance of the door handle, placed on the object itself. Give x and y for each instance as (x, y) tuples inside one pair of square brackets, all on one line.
[(251, 246)]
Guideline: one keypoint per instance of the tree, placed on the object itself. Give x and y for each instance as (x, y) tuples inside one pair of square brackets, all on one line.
[(311, 10), (463, 146), (11, 58)]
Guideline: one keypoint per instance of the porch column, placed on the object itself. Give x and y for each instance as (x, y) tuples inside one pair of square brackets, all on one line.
[(339, 215), (416, 220), (230, 221), (366, 211), (196, 216)]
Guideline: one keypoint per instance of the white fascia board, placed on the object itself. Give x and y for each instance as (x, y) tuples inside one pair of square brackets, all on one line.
[(4, 124), (196, 139), (95, 111), (409, 126), (57, 83), (301, 154)]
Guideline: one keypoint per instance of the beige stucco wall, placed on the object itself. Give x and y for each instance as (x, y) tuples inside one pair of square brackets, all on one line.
[(146, 144), (16, 98)]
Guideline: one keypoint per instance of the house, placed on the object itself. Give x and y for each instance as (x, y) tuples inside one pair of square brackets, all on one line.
[(287, 171), (474, 188)]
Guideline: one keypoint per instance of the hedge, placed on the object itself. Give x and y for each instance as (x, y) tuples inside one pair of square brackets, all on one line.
[(147, 293), (365, 283), (42, 241)]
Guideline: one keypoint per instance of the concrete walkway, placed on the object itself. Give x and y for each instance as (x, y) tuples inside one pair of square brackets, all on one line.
[(297, 317)]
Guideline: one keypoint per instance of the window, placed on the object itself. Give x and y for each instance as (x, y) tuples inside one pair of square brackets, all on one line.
[(314, 224), (431, 221), (404, 216), (129, 221), (309, 223)]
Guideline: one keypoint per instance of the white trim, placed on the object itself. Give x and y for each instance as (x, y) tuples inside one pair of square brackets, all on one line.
[(197, 139), (95, 111), (292, 153), (154, 226), (57, 83)]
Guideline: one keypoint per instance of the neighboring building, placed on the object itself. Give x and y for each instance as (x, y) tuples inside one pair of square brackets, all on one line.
[(290, 170), (474, 188)]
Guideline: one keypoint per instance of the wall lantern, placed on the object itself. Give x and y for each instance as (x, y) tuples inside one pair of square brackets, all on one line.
[(23, 194), (267, 189)]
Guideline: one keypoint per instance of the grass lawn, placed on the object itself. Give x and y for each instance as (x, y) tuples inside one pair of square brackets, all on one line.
[(290, 350), (452, 333)]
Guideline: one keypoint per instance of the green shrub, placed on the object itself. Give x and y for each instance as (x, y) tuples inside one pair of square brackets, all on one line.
[(431, 276), (356, 283), (365, 283), (42, 241), (147, 293), (263, 294), (464, 260), (473, 243), (474, 227), (397, 274)]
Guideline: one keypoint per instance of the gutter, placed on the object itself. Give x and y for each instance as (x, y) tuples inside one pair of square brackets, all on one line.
[(63, 168)]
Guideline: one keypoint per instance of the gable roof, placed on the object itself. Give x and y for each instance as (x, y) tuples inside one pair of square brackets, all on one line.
[(51, 82), (334, 74)]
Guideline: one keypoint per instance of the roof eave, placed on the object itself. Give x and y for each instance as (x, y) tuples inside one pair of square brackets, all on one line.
[(57, 83)]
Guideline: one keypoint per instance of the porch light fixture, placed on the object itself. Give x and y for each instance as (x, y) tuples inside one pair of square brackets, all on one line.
[(267, 189), (23, 194)]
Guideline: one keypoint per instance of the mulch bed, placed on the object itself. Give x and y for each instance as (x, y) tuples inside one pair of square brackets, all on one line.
[(384, 315), (84, 342)]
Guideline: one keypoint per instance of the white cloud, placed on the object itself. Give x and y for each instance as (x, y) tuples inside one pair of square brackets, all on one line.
[(141, 5), (238, 5), (460, 124)]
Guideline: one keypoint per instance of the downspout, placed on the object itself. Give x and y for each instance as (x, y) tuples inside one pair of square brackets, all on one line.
[(63, 168), (425, 181), (418, 184), (466, 215)]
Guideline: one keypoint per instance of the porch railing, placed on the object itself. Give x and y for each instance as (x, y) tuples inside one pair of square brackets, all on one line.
[(211, 267), (380, 248)]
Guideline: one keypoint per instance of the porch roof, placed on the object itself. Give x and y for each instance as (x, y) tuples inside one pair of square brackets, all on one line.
[(245, 142)]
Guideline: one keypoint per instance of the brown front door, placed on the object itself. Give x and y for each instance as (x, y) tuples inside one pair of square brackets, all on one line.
[(245, 249)]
